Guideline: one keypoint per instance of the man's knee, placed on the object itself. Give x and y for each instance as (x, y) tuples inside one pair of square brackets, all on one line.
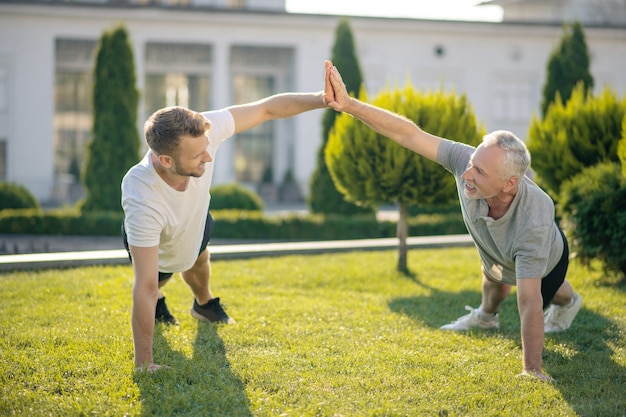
[(202, 260)]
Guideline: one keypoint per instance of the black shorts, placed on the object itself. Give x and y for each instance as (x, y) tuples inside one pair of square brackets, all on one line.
[(208, 230), (553, 281)]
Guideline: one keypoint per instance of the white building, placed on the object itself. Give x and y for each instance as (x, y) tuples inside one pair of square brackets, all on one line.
[(213, 53)]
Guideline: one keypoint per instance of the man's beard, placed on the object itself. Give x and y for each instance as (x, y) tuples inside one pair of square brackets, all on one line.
[(189, 173)]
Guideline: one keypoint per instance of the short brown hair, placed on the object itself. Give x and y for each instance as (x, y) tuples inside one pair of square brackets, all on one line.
[(164, 129)]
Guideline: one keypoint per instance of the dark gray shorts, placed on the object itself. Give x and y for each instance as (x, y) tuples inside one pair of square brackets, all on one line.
[(208, 230), (553, 281)]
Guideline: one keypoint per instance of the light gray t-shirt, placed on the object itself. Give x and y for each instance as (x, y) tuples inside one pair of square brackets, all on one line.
[(525, 242)]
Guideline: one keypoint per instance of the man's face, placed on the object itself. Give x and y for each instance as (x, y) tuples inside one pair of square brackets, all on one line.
[(192, 156), (483, 177)]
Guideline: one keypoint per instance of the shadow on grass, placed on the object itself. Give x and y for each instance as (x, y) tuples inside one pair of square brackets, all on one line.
[(203, 385), (580, 359)]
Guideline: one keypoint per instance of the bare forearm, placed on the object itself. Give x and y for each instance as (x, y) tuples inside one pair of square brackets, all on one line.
[(278, 106), (531, 318), (285, 105), (142, 322), (145, 293), (388, 124), (395, 127)]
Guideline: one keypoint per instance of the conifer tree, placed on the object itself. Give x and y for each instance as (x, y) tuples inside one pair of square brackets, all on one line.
[(568, 65), (621, 147), (371, 170), (324, 197), (581, 133), (114, 147)]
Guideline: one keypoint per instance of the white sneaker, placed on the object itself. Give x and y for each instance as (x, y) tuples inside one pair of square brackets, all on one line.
[(473, 320), (559, 318)]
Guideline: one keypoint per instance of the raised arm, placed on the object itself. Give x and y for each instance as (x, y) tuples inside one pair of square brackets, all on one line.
[(391, 125), (278, 106)]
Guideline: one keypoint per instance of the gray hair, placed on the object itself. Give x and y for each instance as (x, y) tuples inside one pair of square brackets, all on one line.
[(516, 158)]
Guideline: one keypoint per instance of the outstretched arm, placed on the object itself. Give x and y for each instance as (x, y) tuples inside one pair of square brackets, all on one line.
[(391, 125), (278, 106)]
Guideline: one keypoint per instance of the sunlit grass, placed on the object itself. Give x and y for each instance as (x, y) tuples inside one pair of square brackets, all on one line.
[(320, 335)]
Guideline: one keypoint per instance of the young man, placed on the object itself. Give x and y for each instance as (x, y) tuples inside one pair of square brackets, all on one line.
[(509, 217), (166, 198)]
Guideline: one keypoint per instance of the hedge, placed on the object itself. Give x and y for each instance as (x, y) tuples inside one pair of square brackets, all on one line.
[(36, 222), (235, 224)]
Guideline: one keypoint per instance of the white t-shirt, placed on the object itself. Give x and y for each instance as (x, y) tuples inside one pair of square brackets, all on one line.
[(156, 214), (525, 242)]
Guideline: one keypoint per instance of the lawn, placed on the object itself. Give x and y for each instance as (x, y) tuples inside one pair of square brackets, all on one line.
[(318, 335)]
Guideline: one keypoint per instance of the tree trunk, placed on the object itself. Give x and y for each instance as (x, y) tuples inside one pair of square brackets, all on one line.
[(402, 233)]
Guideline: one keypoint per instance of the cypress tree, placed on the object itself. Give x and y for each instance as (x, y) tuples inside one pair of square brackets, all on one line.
[(568, 65), (573, 136), (114, 147), (621, 147), (370, 169), (324, 197)]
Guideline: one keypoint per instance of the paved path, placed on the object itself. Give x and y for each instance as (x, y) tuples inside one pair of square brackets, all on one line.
[(61, 252)]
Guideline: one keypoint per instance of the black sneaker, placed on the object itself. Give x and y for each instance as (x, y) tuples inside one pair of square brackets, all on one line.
[(212, 312), (162, 314)]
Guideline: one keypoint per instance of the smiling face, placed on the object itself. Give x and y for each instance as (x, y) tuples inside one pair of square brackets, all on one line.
[(483, 177), (191, 156)]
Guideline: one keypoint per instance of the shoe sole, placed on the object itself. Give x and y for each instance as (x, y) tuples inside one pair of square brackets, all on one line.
[(577, 305), (200, 317), (470, 328)]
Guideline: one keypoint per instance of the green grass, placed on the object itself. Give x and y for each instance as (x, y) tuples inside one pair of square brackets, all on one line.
[(323, 335)]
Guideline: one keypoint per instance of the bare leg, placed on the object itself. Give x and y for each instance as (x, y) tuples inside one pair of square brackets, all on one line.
[(494, 294), (198, 278), (564, 294)]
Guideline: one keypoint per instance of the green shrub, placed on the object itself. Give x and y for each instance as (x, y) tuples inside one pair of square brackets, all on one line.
[(15, 196), (234, 197), (592, 204), (621, 147), (62, 222), (233, 224), (370, 169), (573, 136), (236, 224)]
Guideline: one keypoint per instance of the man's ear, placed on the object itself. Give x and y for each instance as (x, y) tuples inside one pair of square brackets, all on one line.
[(510, 184), (166, 160)]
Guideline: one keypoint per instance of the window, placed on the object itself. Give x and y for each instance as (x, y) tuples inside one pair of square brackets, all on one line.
[(254, 147), (259, 72), (72, 116), (513, 99), (177, 75)]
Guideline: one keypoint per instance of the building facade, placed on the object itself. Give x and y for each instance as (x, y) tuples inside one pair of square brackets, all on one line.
[(207, 54)]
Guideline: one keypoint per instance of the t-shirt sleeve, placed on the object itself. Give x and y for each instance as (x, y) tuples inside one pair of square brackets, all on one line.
[(142, 223), (454, 156), (222, 125)]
